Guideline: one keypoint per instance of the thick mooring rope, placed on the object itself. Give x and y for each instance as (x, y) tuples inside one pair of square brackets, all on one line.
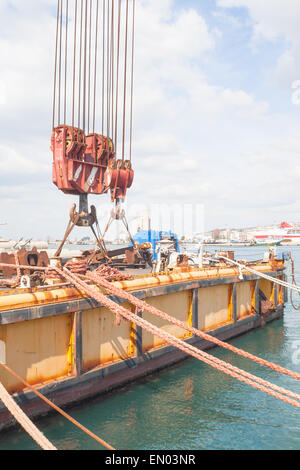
[(244, 267), (243, 376), (141, 305), (23, 420), (52, 405), (144, 306), (179, 344)]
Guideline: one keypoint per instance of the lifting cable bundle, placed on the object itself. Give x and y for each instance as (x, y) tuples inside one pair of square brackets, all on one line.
[(85, 162)]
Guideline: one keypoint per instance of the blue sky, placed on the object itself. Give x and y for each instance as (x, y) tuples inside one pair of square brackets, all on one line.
[(215, 122), (235, 61)]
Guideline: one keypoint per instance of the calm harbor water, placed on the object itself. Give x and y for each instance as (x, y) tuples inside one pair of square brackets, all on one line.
[(192, 406)]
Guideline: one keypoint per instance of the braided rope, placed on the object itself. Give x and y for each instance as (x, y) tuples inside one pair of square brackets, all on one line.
[(24, 421), (228, 369), (56, 408), (179, 344), (140, 304)]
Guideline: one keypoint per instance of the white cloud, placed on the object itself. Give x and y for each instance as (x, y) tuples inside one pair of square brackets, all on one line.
[(173, 36), (243, 101), (13, 163), (276, 20), (2, 93)]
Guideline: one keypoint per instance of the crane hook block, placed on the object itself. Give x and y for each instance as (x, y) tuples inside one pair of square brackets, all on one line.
[(119, 177), (87, 164)]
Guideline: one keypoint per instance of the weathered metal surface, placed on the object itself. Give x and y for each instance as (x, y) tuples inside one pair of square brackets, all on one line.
[(11, 302), (214, 308), (23, 305), (179, 306), (266, 306), (78, 344), (87, 164), (266, 287), (280, 293), (37, 350), (195, 308), (32, 259), (119, 177), (244, 299), (170, 283), (102, 340), (7, 258), (74, 171), (2, 352)]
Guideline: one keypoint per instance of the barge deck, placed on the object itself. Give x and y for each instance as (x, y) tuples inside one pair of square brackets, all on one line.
[(71, 348)]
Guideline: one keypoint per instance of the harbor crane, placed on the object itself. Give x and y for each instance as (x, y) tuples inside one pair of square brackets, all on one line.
[(93, 106)]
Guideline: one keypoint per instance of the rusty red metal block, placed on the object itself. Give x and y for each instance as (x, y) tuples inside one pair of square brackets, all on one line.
[(87, 164)]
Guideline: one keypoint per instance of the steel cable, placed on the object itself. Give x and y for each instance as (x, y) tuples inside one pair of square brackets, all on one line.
[(85, 66), (80, 66), (90, 64), (84, 74), (95, 66), (132, 79), (103, 66), (74, 64), (108, 83), (55, 66), (66, 62), (125, 80), (117, 76), (112, 65), (60, 62)]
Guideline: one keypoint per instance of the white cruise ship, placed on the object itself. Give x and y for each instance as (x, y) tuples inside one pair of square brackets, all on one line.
[(286, 233)]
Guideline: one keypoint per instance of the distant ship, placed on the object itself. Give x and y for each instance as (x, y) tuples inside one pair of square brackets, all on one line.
[(286, 233)]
